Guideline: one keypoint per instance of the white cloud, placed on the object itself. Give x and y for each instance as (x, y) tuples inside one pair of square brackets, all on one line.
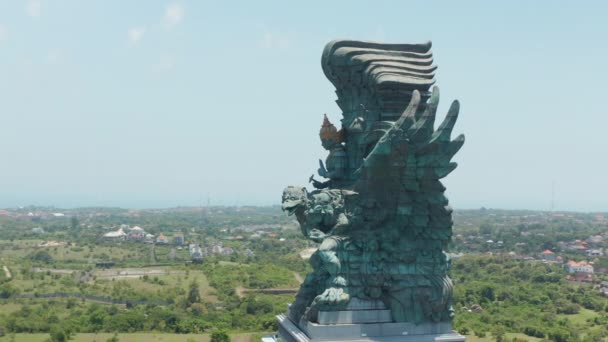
[(174, 14), (272, 40), (136, 34), (33, 8)]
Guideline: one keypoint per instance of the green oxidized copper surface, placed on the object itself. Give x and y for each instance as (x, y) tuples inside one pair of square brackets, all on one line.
[(381, 217)]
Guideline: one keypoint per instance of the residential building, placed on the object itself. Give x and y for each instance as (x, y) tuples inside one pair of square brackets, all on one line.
[(137, 234), (162, 239), (216, 249), (116, 235), (580, 266), (547, 255), (196, 253), (178, 239), (595, 239), (595, 252)]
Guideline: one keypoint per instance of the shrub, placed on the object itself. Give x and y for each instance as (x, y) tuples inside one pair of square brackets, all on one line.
[(220, 336)]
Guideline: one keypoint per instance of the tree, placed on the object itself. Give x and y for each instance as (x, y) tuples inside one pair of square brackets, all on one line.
[(256, 306), (487, 292), (59, 334), (194, 295), (463, 331), (7, 290), (220, 336), (70, 303), (499, 333), (42, 256), (198, 309)]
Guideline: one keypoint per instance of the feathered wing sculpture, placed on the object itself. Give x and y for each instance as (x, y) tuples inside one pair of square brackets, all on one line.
[(402, 176), (403, 170), (411, 153)]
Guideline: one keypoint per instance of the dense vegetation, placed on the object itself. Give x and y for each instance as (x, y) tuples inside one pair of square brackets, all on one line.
[(57, 290), (528, 297)]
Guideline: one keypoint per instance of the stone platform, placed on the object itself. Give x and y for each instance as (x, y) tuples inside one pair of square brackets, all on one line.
[(364, 332)]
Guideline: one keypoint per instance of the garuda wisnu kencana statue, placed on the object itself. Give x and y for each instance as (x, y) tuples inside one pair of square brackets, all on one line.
[(380, 215)]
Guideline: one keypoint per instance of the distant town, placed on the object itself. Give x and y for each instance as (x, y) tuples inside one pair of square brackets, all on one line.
[(539, 237)]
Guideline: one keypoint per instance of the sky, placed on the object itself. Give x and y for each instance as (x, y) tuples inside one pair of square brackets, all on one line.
[(182, 103)]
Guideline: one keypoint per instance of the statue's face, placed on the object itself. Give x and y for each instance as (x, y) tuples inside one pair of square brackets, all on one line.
[(321, 209), (293, 197)]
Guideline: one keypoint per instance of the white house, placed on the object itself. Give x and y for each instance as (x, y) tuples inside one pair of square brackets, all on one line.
[(581, 266), (117, 235)]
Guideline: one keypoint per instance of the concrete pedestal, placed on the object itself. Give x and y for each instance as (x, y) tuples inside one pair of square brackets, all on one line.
[(364, 332)]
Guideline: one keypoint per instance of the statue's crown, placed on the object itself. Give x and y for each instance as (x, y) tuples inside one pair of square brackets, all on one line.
[(329, 131)]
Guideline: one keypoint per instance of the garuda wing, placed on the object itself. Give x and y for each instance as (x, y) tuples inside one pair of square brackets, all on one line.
[(411, 157)]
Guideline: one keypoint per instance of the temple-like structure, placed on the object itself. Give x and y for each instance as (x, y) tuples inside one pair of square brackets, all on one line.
[(379, 213)]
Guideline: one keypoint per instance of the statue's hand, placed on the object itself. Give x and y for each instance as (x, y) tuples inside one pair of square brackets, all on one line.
[(316, 235)]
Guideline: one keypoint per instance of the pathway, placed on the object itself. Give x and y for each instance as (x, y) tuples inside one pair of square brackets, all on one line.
[(298, 277), (7, 272), (241, 291)]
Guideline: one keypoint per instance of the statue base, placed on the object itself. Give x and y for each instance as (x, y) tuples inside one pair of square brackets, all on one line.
[(361, 332)]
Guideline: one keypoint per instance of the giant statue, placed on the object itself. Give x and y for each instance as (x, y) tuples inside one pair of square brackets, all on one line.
[(378, 209)]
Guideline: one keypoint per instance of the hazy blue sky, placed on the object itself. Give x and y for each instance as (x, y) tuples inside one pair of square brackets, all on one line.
[(161, 103)]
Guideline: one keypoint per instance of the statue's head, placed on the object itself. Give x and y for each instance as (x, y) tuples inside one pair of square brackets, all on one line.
[(294, 197), (329, 134), (321, 209)]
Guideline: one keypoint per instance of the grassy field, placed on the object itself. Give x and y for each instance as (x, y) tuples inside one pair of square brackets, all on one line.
[(79, 256), (148, 337), (176, 280), (62, 275), (9, 308), (103, 284), (581, 317)]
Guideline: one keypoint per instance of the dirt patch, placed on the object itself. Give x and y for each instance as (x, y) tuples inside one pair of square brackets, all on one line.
[(240, 291), (307, 253), (134, 273), (52, 244), (7, 272), (53, 270)]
